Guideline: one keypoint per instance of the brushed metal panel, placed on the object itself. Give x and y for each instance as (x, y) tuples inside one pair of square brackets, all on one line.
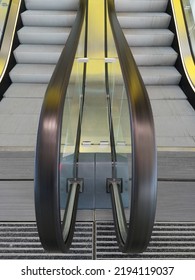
[(176, 201)]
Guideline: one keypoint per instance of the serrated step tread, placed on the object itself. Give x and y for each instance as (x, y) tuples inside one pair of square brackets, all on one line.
[(149, 32), (32, 73), (26, 90), (154, 55), (48, 18), (43, 29), (162, 75), (144, 20), (26, 53), (148, 37), (166, 92), (143, 5), (52, 5), (43, 35)]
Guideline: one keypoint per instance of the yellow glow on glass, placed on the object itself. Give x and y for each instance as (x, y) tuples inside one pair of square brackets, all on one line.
[(185, 50)]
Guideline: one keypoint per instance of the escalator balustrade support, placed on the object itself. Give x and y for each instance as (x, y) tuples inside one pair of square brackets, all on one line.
[(111, 181), (78, 181)]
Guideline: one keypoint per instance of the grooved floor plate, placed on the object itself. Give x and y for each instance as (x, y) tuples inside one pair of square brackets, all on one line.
[(169, 241), (97, 241), (21, 241)]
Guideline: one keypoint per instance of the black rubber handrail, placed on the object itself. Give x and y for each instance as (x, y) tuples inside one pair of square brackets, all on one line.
[(135, 236), (56, 236)]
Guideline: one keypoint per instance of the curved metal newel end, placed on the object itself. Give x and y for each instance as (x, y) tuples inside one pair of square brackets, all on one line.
[(69, 219), (134, 236), (114, 187), (126, 241)]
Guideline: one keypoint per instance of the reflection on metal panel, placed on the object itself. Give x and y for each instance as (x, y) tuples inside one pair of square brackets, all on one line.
[(4, 4)]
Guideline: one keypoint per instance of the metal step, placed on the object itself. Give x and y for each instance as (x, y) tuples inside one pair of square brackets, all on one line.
[(48, 18), (52, 5), (32, 73), (97, 240), (24, 90), (141, 5), (148, 37), (21, 106), (144, 20), (172, 108), (154, 56), (43, 35), (170, 92), (160, 75)]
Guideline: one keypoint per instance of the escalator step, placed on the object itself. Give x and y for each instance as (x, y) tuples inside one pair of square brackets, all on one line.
[(46, 54), (43, 35), (48, 18), (157, 75), (32, 73), (141, 5), (144, 20), (148, 37), (52, 5), (154, 56), (18, 90), (167, 92)]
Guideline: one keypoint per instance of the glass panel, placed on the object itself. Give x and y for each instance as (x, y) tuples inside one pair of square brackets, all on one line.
[(95, 130), (189, 12), (94, 161), (95, 136), (70, 120), (94, 152), (120, 118), (4, 5)]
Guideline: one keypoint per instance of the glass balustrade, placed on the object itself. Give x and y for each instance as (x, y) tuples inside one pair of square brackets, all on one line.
[(4, 7), (189, 13), (71, 120), (120, 119)]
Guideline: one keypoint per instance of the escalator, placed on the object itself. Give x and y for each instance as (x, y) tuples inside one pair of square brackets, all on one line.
[(133, 236), (64, 141), (96, 142)]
